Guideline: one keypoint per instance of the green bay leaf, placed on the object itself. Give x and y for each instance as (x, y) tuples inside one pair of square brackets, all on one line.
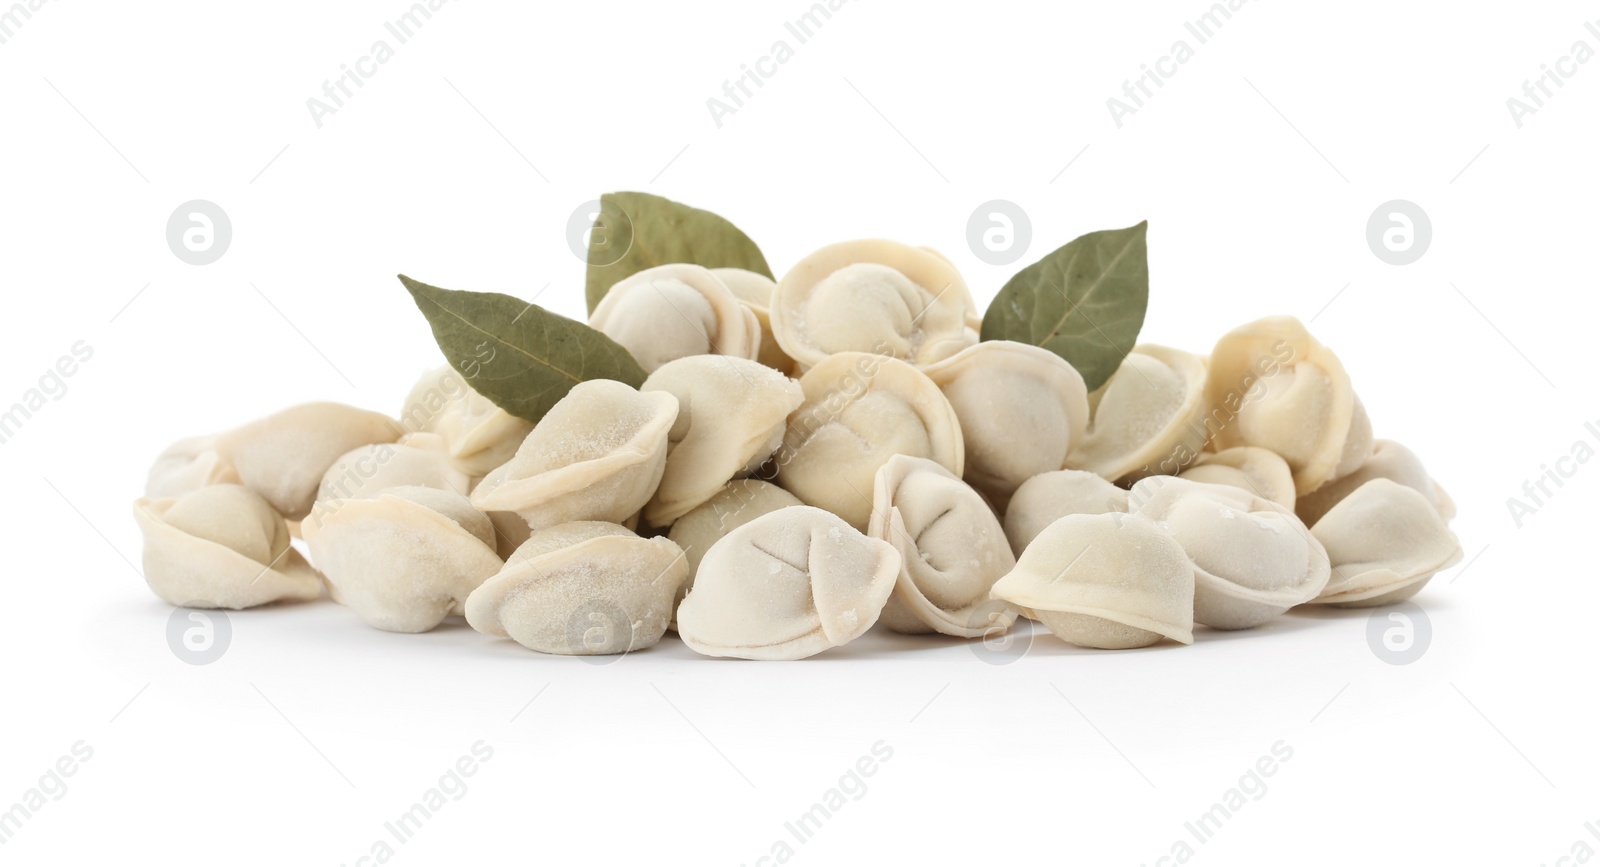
[(635, 231), (1085, 302), (518, 354)]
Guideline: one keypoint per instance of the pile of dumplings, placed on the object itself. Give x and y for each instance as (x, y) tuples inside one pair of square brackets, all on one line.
[(808, 458)]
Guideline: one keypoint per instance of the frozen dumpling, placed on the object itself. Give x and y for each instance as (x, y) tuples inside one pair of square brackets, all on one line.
[(403, 559), (582, 589), (478, 434), (871, 296), (1111, 581), (1253, 559), (1389, 460), (597, 455), (1385, 541), (1253, 469), (754, 291), (188, 465), (1148, 419), (731, 418), (738, 503), (221, 546), (675, 311), (1021, 410), (1049, 497), (952, 550), (284, 456), (859, 410), (419, 460), (1275, 386), (788, 585)]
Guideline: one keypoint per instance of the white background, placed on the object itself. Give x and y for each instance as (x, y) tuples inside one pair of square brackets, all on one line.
[(459, 163)]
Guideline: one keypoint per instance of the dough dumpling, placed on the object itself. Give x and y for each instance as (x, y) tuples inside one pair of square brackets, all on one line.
[(1253, 559), (597, 455), (478, 434), (871, 296), (403, 559), (221, 546), (974, 312), (284, 456), (1049, 497), (675, 311), (1109, 581), (1256, 470), (859, 410), (1275, 386), (1390, 460), (1021, 410), (186, 466), (1149, 417), (788, 585), (738, 503), (582, 589), (731, 418), (952, 550), (754, 291), (419, 460), (1385, 541)]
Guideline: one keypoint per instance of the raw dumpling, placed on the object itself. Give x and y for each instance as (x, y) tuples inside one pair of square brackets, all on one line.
[(1253, 559), (582, 589), (951, 546), (478, 435), (731, 418), (1278, 388), (675, 311), (1049, 497), (1254, 469), (871, 296), (974, 312), (403, 559), (754, 291), (1385, 541), (1390, 460), (1149, 417), (859, 410), (221, 546), (284, 456), (788, 585), (597, 455), (1021, 410), (186, 466), (738, 503), (418, 460), (1110, 581)]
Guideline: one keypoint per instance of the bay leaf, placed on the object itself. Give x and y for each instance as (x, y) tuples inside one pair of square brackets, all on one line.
[(1085, 302), (635, 231), (516, 353)]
